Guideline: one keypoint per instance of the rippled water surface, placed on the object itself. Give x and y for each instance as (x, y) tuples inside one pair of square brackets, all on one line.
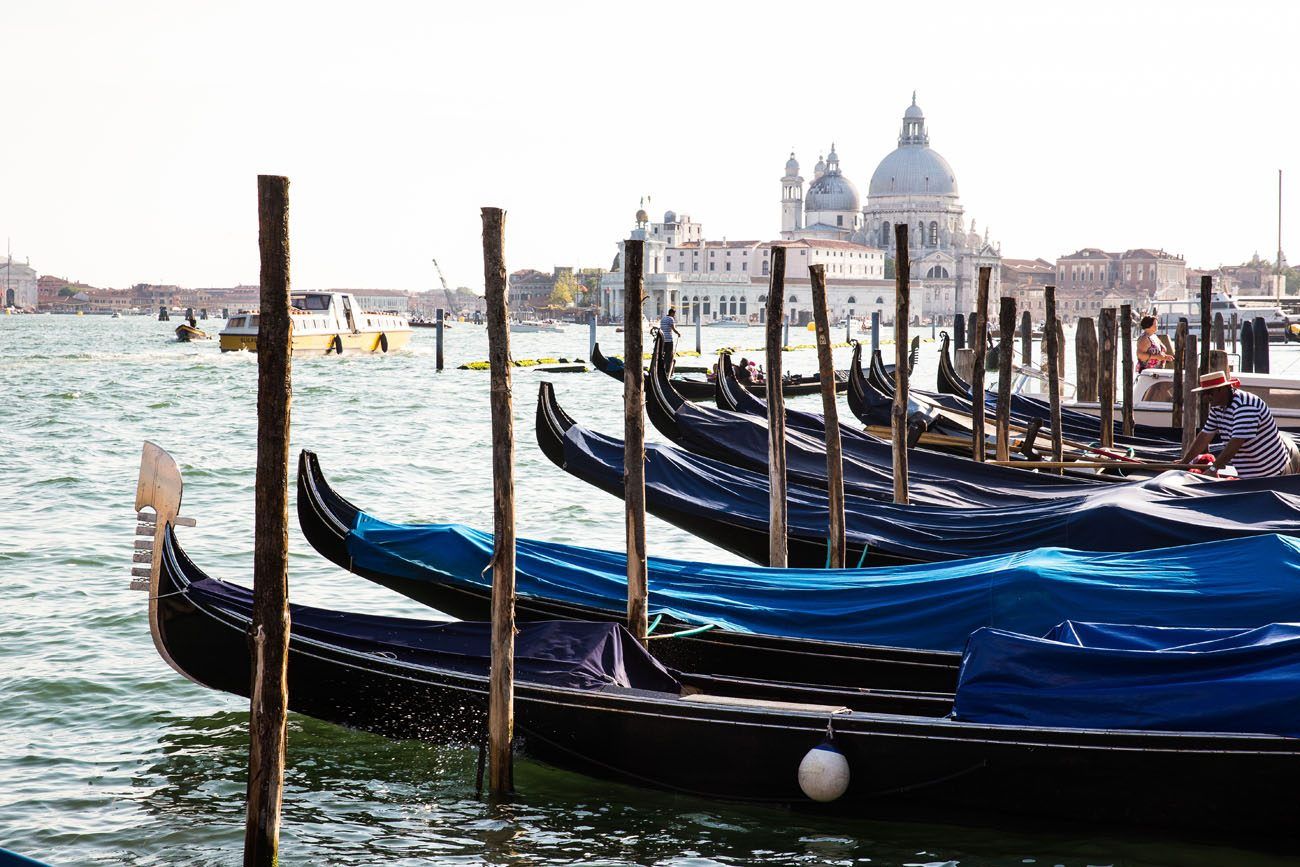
[(107, 756)]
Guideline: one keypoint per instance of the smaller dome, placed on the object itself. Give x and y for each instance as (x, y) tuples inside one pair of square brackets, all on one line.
[(832, 157), (832, 192), (820, 168), (642, 216), (670, 217), (913, 110), (791, 166)]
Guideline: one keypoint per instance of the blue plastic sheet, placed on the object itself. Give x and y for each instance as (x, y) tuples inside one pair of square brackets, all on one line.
[(1242, 583), (1090, 675), (1173, 509), (564, 653)]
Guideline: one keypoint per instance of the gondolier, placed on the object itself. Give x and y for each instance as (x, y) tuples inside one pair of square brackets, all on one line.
[(1255, 447), (668, 333)]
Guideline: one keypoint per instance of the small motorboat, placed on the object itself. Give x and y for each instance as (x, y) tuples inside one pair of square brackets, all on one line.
[(533, 326), (186, 332), (726, 322)]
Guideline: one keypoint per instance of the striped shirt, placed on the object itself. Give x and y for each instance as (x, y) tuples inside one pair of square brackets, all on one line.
[(666, 326), (1248, 418)]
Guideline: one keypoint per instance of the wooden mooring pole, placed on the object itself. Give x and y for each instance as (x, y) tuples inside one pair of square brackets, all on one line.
[(834, 459), (438, 339), (501, 685), (1052, 352), (1189, 397), (1126, 366), (1203, 362), (1026, 338), (778, 541), (980, 345), (1180, 371), (1007, 323), (1106, 376), (269, 629), (898, 414), (634, 438), (1085, 360)]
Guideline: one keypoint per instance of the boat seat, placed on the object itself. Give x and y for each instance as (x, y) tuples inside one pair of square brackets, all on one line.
[(734, 701)]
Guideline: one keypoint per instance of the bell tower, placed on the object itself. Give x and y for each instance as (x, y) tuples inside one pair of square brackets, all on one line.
[(791, 197)]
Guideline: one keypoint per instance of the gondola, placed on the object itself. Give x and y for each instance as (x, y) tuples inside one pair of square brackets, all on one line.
[(729, 507), (328, 522), (867, 464), (715, 737), (693, 388), (1075, 424), (1214, 584)]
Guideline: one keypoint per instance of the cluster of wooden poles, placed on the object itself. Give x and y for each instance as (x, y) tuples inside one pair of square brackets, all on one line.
[(269, 632)]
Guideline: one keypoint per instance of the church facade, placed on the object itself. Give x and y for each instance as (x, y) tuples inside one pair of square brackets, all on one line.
[(913, 186)]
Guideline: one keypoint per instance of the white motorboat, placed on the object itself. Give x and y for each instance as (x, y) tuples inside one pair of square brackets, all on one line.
[(531, 326), (1279, 322), (1153, 391), (726, 322)]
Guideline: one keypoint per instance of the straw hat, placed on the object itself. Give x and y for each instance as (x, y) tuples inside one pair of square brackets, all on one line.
[(1216, 379)]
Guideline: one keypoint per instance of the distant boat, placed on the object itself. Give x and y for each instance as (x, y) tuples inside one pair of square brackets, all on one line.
[(324, 323), (116, 315), (185, 333), (726, 322), (531, 326)]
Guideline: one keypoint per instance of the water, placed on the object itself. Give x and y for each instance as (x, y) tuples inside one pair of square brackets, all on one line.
[(107, 756)]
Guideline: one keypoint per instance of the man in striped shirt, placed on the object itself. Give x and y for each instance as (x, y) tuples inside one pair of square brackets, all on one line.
[(1255, 447)]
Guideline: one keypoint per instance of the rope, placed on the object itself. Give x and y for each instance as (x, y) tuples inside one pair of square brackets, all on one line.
[(863, 558), (654, 625), (696, 631)]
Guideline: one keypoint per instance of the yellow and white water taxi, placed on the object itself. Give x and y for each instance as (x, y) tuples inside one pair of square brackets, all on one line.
[(322, 323)]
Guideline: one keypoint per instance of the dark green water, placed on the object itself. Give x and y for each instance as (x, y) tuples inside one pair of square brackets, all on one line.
[(107, 756)]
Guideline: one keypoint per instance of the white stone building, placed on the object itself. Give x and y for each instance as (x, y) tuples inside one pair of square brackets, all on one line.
[(829, 225), (17, 285)]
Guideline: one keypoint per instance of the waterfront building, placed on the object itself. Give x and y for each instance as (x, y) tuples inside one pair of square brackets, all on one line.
[(1141, 273), (827, 223), (17, 284)]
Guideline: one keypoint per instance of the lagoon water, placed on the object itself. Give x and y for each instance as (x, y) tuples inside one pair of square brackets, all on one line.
[(107, 756)]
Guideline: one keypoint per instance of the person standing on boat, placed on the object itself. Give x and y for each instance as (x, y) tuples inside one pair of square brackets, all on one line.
[(1255, 447), (1150, 351), (668, 333)]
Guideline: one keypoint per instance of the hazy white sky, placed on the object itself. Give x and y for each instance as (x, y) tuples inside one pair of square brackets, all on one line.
[(133, 131)]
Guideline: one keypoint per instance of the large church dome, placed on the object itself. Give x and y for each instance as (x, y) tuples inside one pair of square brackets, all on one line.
[(913, 169)]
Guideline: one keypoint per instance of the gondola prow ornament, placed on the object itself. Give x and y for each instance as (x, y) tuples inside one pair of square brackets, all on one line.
[(824, 772)]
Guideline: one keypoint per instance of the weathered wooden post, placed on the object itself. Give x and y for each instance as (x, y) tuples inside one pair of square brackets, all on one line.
[(958, 331), (438, 338), (1106, 376), (1232, 331), (1060, 347), (1189, 397), (269, 629), (778, 541), (591, 333), (699, 338), (1007, 321), (980, 345), (1180, 370), (1126, 365), (898, 414), (1261, 345), (1247, 346), (834, 457), (1203, 363), (634, 439), (971, 336), (501, 685), (787, 327), (1218, 331), (875, 331), (1052, 352), (1026, 338), (1085, 360)]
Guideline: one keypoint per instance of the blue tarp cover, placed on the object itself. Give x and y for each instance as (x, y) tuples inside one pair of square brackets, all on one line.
[(1239, 583), (557, 653), (1101, 675), (1172, 509)]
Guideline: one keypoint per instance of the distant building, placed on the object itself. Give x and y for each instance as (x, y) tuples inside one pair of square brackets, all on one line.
[(386, 300), (1023, 280), (18, 285), (1141, 274), (531, 289)]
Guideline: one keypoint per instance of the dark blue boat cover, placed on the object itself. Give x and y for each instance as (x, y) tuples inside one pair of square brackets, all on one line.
[(571, 654), (1239, 583), (1100, 675), (1173, 509)]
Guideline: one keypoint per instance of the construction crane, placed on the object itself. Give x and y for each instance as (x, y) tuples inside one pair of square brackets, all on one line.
[(451, 299)]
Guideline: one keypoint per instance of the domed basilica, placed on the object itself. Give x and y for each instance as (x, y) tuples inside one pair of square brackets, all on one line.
[(913, 185)]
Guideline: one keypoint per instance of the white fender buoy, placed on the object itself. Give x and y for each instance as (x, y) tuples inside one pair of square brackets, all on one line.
[(824, 772)]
